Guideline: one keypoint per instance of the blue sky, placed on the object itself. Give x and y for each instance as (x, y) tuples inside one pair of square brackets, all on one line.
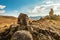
[(29, 7)]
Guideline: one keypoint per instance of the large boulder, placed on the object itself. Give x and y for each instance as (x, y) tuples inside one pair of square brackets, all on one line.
[(22, 35), (22, 19)]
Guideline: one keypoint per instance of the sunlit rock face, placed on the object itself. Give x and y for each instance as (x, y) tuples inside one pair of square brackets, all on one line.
[(22, 19), (51, 13), (22, 35)]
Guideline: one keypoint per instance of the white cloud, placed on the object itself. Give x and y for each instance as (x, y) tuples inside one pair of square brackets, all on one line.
[(44, 8), (16, 11), (36, 9), (49, 2), (2, 11), (2, 6)]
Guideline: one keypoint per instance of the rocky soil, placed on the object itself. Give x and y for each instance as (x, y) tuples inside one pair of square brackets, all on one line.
[(26, 29)]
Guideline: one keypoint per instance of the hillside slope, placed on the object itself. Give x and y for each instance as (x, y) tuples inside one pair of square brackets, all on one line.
[(42, 29), (7, 20)]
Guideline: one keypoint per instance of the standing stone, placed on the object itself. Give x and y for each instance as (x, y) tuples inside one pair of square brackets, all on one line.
[(51, 12), (22, 19)]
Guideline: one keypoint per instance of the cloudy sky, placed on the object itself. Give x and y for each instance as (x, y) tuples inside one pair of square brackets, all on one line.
[(29, 7)]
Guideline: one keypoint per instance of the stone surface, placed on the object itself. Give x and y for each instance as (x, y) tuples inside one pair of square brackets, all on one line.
[(22, 19), (22, 35)]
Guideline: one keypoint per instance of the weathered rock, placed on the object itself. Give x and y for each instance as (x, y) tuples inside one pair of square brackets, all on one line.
[(7, 34), (41, 34), (51, 13), (22, 35), (22, 19)]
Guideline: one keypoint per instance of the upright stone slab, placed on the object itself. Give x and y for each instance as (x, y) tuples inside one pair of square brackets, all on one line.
[(22, 19)]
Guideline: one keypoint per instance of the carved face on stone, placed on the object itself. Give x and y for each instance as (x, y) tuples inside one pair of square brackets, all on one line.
[(22, 19)]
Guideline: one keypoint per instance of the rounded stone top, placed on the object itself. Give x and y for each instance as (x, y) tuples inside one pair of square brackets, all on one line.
[(22, 35)]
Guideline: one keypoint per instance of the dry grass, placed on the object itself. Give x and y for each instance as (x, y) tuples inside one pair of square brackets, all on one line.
[(6, 21)]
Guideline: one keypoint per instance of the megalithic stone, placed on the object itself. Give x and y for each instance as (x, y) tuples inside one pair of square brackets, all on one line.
[(51, 12), (22, 19)]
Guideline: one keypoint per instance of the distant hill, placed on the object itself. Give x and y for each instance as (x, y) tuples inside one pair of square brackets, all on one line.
[(7, 20), (35, 17)]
